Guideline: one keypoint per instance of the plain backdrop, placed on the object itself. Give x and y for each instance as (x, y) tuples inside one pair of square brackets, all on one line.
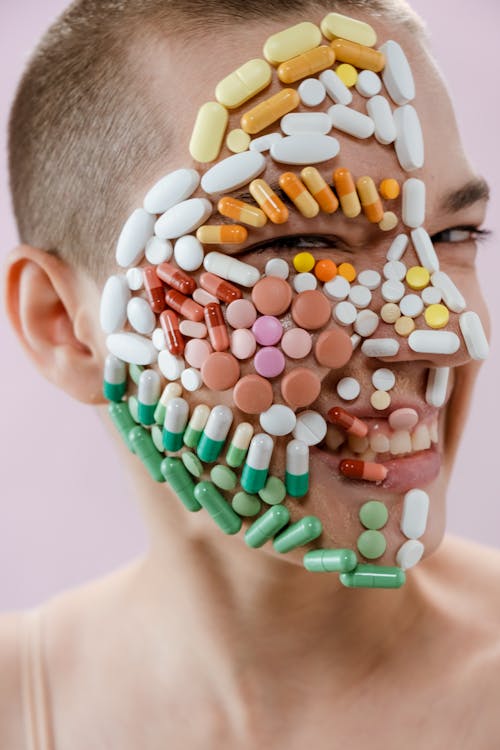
[(66, 514)]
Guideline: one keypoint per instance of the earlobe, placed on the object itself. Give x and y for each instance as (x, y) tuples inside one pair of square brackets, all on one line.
[(52, 309)]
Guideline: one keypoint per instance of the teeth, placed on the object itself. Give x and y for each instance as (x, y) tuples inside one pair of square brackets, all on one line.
[(379, 443), (400, 442), (334, 437), (368, 455), (420, 439), (433, 431), (358, 444)]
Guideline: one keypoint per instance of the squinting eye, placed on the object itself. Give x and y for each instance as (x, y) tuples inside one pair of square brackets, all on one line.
[(460, 234)]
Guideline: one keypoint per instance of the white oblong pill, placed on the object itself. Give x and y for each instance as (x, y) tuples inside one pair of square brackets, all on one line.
[(233, 172), (413, 202), (183, 218), (264, 142), (278, 420), (305, 148), (191, 379), (474, 335), (202, 297), (409, 554), (135, 279), (414, 515), (392, 290), (158, 251), (431, 295), (231, 269), (411, 305), (310, 428), (360, 296), (348, 389), (437, 386), (171, 367), (312, 92), (306, 122), (135, 233), (434, 342), (114, 300), (398, 247), (383, 120), (366, 323), (425, 249), (368, 83), (369, 278), (350, 121), (380, 347), (337, 289), (383, 379), (303, 282), (409, 140), (158, 339), (397, 75), (140, 315), (394, 269), (335, 87), (451, 295), (171, 189), (132, 348), (345, 313), (188, 253)]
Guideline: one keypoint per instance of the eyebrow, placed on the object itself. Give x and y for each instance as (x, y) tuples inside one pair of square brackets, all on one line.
[(472, 192)]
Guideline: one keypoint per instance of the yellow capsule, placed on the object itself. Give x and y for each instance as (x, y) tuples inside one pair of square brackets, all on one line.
[(243, 83), (270, 110), (347, 74), (208, 132), (417, 277), (370, 199), (358, 55), (299, 194), (404, 325), (336, 25), (237, 141), (241, 211), (437, 316), (291, 42), (306, 64), (389, 221), (304, 262), (273, 207), (389, 189), (321, 192), (224, 234), (346, 191)]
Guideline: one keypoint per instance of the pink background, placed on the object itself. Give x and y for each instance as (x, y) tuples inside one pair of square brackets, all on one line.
[(65, 509)]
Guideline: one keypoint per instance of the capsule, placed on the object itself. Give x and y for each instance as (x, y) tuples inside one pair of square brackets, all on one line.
[(217, 506), (144, 448), (214, 434), (220, 288), (374, 577), (208, 132), (243, 83), (171, 390), (147, 396), (358, 55), (270, 110), (241, 211), (321, 192), (370, 200), (273, 207), (351, 424), (122, 420), (239, 444), (298, 533), (221, 234), (184, 305), (346, 191), (115, 378), (330, 560), (255, 470), (353, 468), (216, 325), (176, 417), (177, 476), (155, 292), (267, 525), (307, 64), (170, 326), (299, 194), (297, 468), (176, 278)]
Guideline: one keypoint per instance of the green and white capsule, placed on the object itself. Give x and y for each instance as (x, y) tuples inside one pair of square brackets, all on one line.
[(297, 468), (180, 480), (196, 424), (215, 433), (148, 393), (176, 417), (374, 577), (144, 448), (256, 468), (298, 533), (215, 504), (171, 390), (122, 419), (115, 378), (239, 444)]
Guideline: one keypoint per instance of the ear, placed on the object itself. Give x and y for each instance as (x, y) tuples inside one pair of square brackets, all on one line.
[(54, 311)]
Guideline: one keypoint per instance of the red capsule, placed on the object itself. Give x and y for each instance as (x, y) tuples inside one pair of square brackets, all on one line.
[(184, 305), (174, 338), (176, 278), (348, 422), (221, 289), (216, 326), (154, 289), (353, 468)]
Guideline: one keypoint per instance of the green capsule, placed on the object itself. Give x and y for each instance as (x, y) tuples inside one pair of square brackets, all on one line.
[(195, 426), (298, 533), (122, 420), (255, 470), (148, 393), (374, 577), (246, 505), (224, 516), (135, 372), (265, 527), (297, 468), (178, 478), (144, 448), (176, 417), (330, 560), (157, 437), (239, 444)]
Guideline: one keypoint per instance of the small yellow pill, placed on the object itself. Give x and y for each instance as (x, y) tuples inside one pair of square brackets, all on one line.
[(404, 325), (389, 189), (390, 312), (243, 83), (337, 25), (389, 221), (437, 316), (348, 271), (347, 74), (380, 400), (417, 277), (208, 132), (304, 262), (291, 42), (237, 140)]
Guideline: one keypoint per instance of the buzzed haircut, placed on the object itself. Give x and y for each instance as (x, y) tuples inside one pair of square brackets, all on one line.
[(83, 131)]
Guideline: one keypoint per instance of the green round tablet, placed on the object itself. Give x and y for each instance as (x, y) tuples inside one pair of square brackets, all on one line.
[(373, 514), (371, 544), (192, 464), (273, 492), (223, 477), (245, 504)]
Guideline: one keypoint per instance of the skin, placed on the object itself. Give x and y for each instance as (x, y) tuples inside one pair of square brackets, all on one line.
[(256, 651)]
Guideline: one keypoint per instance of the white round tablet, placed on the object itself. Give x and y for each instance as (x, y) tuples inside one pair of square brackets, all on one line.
[(348, 389), (277, 267), (368, 83), (337, 289), (411, 305), (366, 323), (304, 282), (310, 427), (360, 296), (312, 92), (158, 251), (135, 279), (345, 313), (392, 290), (191, 379), (278, 420), (395, 269), (369, 278), (431, 295), (383, 379)]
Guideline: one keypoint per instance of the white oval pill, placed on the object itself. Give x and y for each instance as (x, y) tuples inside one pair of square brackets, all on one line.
[(409, 140), (335, 87), (397, 75), (474, 335), (188, 253), (348, 389), (437, 386), (369, 278), (202, 297), (193, 329), (306, 122), (191, 379), (158, 339), (183, 218), (425, 249), (233, 172), (383, 120), (305, 148), (398, 247), (452, 297), (140, 315), (303, 282), (394, 269), (171, 367), (392, 290), (409, 554), (312, 92), (366, 323), (171, 189), (264, 142), (368, 83), (337, 289), (413, 202), (132, 348), (411, 305), (135, 233), (380, 347), (114, 300), (360, 296), (278, 420), (135, 279), (383, 379), (277, 267), (434, 342), (158, 251), (414, 516), (345, 313), (310, 428), (350, 121)]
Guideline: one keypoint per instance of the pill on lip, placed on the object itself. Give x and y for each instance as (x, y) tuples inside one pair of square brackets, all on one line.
[(253, 394), (311, 309), (437, 386), (380, 400), (351, 424), (272, 295), (356, 469), (333, 348), (300, 387), (474, 335), (403, 419), (310, 428), (230, 173), (296, 343)]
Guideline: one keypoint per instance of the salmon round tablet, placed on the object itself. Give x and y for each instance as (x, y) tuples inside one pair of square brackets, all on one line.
[(220, 371), (296, 343), (253, 394), (197, 351), (311, 309), (241, 313), (300, 387), (333, 348), (272, 295)]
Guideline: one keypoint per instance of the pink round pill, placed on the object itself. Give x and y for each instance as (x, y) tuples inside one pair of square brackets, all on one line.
[(196, 352), (243, 344), (267, 330), (403, 419), (241, 313), (296, 343), (269, 362)]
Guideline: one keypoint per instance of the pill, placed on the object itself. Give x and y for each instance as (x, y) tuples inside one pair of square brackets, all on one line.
[(348, 389), (345, 313), (392, 290), (366, 323), (389, 221), (231, 269), (214, 433), (373, 515), (368, 83), (434, 342), (370, 199), (224, 234), (305, 148), (239, 444), (215, 504), (390, 312), (115, 378), (191, 379), (243, 83), (122, 419), (337, 289), (133, 237), (143, 447), (278, 420), (311, 310), (451, 295), (397, 75), (264, 142), (277, 267), (245, 505), (347, 74), (223, 477), (374, 576), (394, 269), (351, 121), (310, 428), (267, 330), (273, 207), (243, 343), (171, 366), (299, 194), (436, 316), (202, 297), (256, 466), (134, 279), (380, 400), (296, 343), (300, 387), (384, 126), (132, 348), (253, 394), (269, 362), (351, 424), (196, 425), (431, 295), (306, 122), (389, 190), (409, 143), (398, 247), (358, 55), (241, 211), (237, 141), (437, 386), (173, 337), (335, 87), (412, 306), (414, 514), (183, 218), (348, 271), (219, 288), (409, 554), (380, 347), (114, 301), (176, 418), (196, 352), (330, 560), (353, 468), (298, 534), (291, 42), (474, 335), (241, 313), (297, 468), (325, 270), (208, 132), (184, 305), (319, 189), (303, 282), (312, 92), (216, 327), (371, 544), (337, 25), (346, 191), (192, 463), (360, 296), (171, 390), (304, 262), (269, 111), (267, 526), (383, 379), (158, 250), (174, 188), (417, 277), (230, 173), (306, 64), (370, 279), (333, 348), (413, 210), (272, 295), (135, 373), (176, 278), (404, 325)]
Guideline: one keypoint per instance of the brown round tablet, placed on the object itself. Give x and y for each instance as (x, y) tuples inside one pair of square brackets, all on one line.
[(300, 387), (311, 309), (272, 295), (253, 394), (333, 348), (220, 371)]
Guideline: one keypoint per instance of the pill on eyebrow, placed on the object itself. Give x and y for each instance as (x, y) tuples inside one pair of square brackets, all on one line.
[(383, 120), (241, 211), (437, 386), (233, 172), (424, 249), (306, 122), (380, 347), (214, 234), (413, 210), (337, 25), (174, 188), (296, 343), (414, 515), (183, 218), (241, 313), (243, 83), (253, 394), (434, 342), (132, 348), (291, 42), (351, 121), (299, 194), (335, 88), (113, 306), (208, 132), (272, 295), (409, 143), (231, 269), (133, 237), (312, 92), (370, 199), (273, 207), (311, 309), (305, 148), (300, 387), (306, 64), (398, 247), (397, 75), (237, 140), (220, 371), (346, 191), (270, 110), (320, 190), (368, 83), (474, 335), (333, 348), (264, 142), (451, 295), (358, 55)]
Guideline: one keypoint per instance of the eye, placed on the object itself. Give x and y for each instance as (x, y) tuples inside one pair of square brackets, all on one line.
[(295, 242), (456, 235)]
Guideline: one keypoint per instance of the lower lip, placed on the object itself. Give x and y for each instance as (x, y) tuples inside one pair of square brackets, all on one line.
[(403, 474)]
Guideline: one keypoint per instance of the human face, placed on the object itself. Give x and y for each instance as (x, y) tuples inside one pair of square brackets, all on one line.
[(422, 454)]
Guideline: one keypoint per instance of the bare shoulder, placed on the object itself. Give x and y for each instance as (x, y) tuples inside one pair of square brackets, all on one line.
[(11, 717)]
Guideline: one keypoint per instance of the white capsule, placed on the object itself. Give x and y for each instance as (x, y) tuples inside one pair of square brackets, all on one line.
[(303, 282), (278, 420), (135, 279), (231, 269), (264, 142), (425, 249), (297, 458), (312, 92), (350, 121), (188, 253), (132, 348), (140, 315), (392, 290), (158, 339), (115, 371), (409, 554), (148, 389), (383, 379), (176, 415), (398, 247), (368, 83), (411, 305), (191, 379), (174, 188), (114, 300), (335, 87), (310, 428), (413, 211), (452, 297), (305, 148), (474, 335), (366, 323), (414, 516), (135, 233), (345, 313), (431, 295), (437, 386), (348, 389), (397, 75), (277, 267), (409, 140), (369, 278), (337, 289), (380, 347), (380, 112), (171, 367), (360, 296), (433, 342), (183, 218), (233, 172), (394, 269)]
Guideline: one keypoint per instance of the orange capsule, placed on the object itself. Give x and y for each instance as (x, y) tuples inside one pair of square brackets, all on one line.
[(216, 325), (184, 305), (321, 192), (176, 278), (352, 425), (353, 468), (273, 207), (299, 194), (358, 55), (220, 288), (307, 64), (241, 211), (170, 326), (325, 270), (389, 189), (155, 291), (269, 111), (346, 191), (223, 234), (370, 200)]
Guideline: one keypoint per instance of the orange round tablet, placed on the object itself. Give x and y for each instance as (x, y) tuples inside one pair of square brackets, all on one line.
[(325, 269), (347, 270), (311, 309), (300, 387), (389, 189), (253, 394), (333, 348), (220, 371), (272, 295)]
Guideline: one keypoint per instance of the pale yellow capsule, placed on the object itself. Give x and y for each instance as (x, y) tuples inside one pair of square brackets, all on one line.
[(389, 221), (417, 277), (404, 325), (237, 140), (347, 74), (243, 83), (437, 316), (390, 312), (208, 132), (337, 25), (380, 400), (291, 42)]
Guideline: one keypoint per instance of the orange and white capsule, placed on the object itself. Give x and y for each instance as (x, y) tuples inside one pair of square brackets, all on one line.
[(351, 424), (273, 207), (370, 199), (358, 55), (269, 111), (241, 211), (299, 194), (320, 190), (307, 64), (221, 234), (353, 468), (346, 191)]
